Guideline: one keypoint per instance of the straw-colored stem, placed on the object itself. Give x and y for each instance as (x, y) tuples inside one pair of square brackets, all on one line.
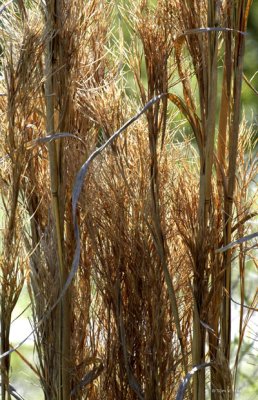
[(206, 169), (203, 212), (233, 145), (54, 179), (198, 355), (222, 134), (63, 116)]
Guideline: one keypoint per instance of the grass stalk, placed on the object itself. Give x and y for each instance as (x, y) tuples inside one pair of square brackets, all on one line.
[(205, 202), (11, 270), (233, 146), (151, 223), (54, 178)]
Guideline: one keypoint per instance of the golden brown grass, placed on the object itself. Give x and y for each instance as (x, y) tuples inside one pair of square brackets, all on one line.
[(151, 297)]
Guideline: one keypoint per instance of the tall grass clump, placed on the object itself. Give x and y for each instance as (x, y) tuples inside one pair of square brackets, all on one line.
[(126, 227)]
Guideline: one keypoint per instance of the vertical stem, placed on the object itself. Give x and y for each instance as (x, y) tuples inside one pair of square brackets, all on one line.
[(9, 288), (4, 361), (54, 179), (63, 124), (158, 232), (5, 346), (233, 145), (197, 354), (204, 205), (225, 98)]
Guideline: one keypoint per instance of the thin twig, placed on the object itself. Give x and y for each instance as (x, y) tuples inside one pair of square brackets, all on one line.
[(247, 81), (24, 359), (241, 305)]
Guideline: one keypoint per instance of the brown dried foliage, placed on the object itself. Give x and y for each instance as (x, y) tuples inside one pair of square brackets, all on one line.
[(150, 288)]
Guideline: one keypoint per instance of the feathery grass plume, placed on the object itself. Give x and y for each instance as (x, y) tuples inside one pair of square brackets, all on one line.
[(153, 26), (203, 47), (28, 104), (19, 88), (70, 53), (159, 209), (139, 335), (126, 263), (90, 66)]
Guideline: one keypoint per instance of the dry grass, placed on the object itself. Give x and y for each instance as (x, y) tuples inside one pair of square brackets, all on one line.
[(151, 298)]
